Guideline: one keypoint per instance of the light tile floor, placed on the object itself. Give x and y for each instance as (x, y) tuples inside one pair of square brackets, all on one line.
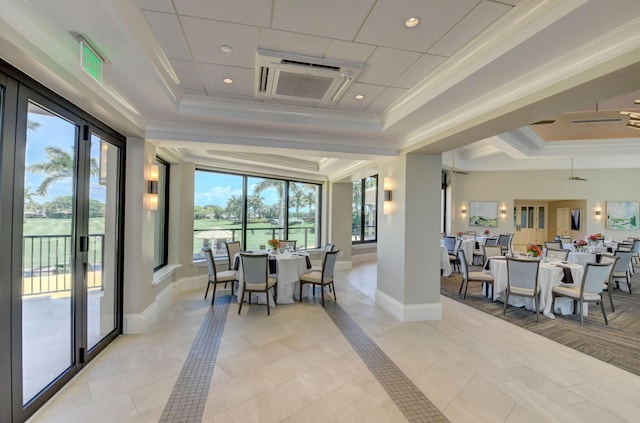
[(296, 366)]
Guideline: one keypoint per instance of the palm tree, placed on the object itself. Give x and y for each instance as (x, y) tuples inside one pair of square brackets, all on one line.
[(279, 186), (59, 166), (234, 206)]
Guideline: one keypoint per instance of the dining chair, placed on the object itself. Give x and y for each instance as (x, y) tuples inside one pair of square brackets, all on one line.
[(557, 254), (216, 277), (467, 276), (610, 259), (291, 243), (621, 269), (233, 248), (590, 290), (556, 245), (490, 251), (255, 278), (323, 278), (453, 256), (491, 241), (450, 243), (329, 246), (504, 240), (522, 280), (471, 233)]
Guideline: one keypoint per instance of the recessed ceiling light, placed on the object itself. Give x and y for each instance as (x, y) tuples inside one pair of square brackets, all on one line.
[(412, 22), (359, 96), (226, 48), (228, 81)]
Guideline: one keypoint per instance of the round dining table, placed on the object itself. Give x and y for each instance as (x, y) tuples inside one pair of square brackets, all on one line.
[(289, 267)]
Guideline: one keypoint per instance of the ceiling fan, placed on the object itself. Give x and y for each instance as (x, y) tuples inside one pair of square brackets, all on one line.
[(451, 170), (572, 177)]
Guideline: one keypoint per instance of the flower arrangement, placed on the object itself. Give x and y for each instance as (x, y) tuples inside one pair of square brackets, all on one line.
[(487, 232), (274, 243), (581, 243), (595, 237), (459, 234), (534, 249)]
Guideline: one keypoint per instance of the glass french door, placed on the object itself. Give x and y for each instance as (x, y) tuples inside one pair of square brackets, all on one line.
[(529, 221), (68, 290)]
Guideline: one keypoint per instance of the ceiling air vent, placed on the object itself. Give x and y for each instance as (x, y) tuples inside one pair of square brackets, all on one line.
[(301, 78)]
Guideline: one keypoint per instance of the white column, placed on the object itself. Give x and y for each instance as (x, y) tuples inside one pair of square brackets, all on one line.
[(408, 238)]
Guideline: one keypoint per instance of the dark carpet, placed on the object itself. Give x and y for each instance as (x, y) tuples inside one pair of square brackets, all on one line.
[(617, 344)]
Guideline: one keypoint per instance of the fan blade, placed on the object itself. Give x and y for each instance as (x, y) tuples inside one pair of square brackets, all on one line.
[(576, 178), (459, 171)]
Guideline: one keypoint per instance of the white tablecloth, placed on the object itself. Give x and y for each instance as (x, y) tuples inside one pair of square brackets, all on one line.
[(445, 264), (549, 276), (289, 268)]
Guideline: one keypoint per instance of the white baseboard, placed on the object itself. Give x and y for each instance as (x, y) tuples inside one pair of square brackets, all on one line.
[(138, 323), (408, 312)]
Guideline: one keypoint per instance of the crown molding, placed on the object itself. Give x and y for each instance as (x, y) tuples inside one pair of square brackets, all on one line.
[(513, 28), (269, 159), (178, 133), (256, 112), (611, 52)]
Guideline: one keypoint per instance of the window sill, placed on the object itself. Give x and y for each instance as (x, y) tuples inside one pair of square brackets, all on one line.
[(162, 274)]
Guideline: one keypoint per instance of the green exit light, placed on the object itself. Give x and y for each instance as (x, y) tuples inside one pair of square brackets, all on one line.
[(92, 63)]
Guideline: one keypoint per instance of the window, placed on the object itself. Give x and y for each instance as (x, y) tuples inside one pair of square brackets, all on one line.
[(161, 217), (253, 210), (364, 216)]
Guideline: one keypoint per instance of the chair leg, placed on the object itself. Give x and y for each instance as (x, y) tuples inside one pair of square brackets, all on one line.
[(314, 290), (464, 297), (334, 291), (207, 291), (213, 296), (535, 304), (581, 313), (461, 284), (629, 282), (322, 293), (301, 283), (613, 310), (241, 299), (266, 294), (506, 301), (606, 322)]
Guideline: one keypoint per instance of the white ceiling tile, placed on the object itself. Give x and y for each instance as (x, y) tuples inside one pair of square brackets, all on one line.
[(339, 19), (418, 70), (370, 92), (471, 25), (206, 36), (188, 74), (385, 100), (212, 76), (385, 24), (290, 42), (348, 51), (385, 65), (169, 35), (250, 12), (157, 5)]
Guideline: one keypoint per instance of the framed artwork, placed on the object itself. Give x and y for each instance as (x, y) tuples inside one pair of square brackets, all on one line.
[(575, 219), (623, 215), (483, 213)]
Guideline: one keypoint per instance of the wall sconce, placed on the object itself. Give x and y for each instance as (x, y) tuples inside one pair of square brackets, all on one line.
[(152, 187), (503, 212), (598, 214), (463, 210), (387, 196)]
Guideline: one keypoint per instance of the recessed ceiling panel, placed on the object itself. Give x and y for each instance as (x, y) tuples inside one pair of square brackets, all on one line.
[(385, 65), (169, 35), (249, 12), (157, 5), (345, 50), (290, 42), (213, 75), (385, 24), (385, 100), (205, 37), (339, 19), (471, 25), (188, 75), (418, 70)]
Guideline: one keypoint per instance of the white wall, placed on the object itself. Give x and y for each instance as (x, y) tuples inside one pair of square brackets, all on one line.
[(603, 185)]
